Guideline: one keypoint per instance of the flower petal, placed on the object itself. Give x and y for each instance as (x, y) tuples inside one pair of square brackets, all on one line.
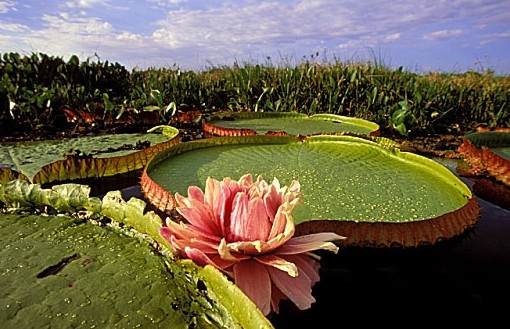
[(223, 206), (294, 187), (180, 244), (283, 223), (276, 297), (253, 279), (217, 198), (224, 253), (224, 265), (245, 181), (272, 200), (279, 263), (324, 236), (180, 235), (197, 256), (198, 214), (298, 289), (212, 189), (310, 242), (238, 217), (188, 232), (249, 221), (306, 266), (259, 224), (252, 248), (196, 193)]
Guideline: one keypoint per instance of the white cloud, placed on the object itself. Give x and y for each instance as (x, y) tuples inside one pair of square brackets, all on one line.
[(503, 35), (13, 27), (442, 34), (392, 37), (66, 24), (6, 6), (164, 3), (494, 37), (261, 23), (129, 36), (85, 3), (223, 30), (253, 23)]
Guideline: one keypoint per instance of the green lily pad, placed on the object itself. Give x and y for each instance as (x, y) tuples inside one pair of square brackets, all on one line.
[(84, 157), (365, 182), (61, 272), (64, 271), (292, 123)]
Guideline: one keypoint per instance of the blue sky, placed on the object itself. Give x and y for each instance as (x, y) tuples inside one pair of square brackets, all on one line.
[(421, 36)]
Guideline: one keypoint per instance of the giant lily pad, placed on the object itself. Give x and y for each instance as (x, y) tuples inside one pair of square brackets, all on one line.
[(487, 154), (85, 157), (361, 188), (292, 123), (62, 271)]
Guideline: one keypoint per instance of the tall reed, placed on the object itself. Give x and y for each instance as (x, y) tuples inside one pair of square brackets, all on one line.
[(394, 98)]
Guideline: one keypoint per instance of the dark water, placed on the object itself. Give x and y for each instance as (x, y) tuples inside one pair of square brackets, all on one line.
[(461, 280), (458, 281)]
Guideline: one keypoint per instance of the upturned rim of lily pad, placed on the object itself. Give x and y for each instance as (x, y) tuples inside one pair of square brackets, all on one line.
[(484, 153), (412, 233), (74, 168), (215, 125), (230, 305)]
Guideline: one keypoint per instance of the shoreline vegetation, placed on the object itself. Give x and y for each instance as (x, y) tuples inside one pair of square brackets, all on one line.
[(43, 96)]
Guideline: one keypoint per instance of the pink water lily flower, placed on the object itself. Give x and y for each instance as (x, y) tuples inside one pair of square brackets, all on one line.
[(246, 229)]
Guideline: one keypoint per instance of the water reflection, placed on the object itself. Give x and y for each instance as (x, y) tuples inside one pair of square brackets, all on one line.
[(465, 277)]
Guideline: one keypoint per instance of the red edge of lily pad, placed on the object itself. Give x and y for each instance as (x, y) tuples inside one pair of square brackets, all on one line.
[(408, 234), (78, 168), (361, 234), (483, 162), (158, 196), (7, 174), (212, 130)]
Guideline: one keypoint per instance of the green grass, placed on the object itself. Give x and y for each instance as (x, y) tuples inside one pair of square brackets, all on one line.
[(39, 85)]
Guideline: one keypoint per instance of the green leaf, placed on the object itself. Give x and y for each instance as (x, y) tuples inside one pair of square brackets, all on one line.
[(295, 123), (19, 193), (399, 116), (132, 213), (404, 105), (171, 108), (85, 157), (179, 293), (114, 206), (66, 197), (108, 105), (343, 178), (401, 128), (69, 197), (61, 272), (157, 96)]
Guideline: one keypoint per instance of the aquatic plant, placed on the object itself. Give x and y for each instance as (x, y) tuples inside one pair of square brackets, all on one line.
[(246, 229)]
